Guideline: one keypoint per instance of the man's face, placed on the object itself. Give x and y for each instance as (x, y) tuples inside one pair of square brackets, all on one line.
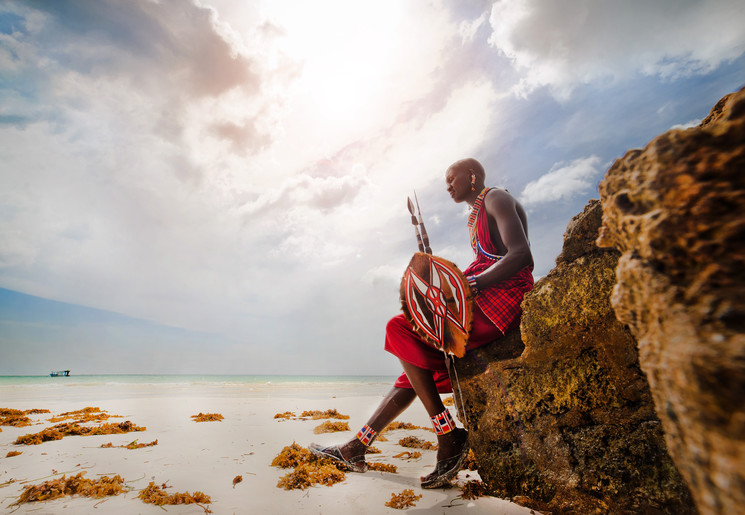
[(458, 183)]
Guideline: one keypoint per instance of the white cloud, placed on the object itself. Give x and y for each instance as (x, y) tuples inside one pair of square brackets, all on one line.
[(562, 44), (688, 124), (562, 182)]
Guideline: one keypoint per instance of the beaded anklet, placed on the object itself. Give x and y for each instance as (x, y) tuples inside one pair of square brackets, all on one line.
[(366, 435), (443, 422)]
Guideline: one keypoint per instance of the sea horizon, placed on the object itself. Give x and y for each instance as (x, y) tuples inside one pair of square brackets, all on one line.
[(89, 386)]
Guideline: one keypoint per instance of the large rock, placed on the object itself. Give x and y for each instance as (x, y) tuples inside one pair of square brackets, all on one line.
[(676, 210), (562, 419)]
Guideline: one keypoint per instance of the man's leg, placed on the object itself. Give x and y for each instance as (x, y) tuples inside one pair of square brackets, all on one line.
[(451, 443), (397, 400)]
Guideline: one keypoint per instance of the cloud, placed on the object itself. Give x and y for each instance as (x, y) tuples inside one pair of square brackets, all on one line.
[(560, 44), (563, 181)]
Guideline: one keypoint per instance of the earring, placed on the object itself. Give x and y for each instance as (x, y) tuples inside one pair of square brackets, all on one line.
[(473, 182)]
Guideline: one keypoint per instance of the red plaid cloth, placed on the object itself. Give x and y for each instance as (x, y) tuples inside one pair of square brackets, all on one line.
[(499, 302)]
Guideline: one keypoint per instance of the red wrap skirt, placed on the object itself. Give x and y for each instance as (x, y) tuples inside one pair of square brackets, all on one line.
[(402, 341)]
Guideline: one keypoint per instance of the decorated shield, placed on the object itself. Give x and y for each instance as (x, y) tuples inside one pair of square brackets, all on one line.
[(438, 302)]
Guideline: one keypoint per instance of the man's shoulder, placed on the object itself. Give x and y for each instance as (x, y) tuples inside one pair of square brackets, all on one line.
[(498, 196)]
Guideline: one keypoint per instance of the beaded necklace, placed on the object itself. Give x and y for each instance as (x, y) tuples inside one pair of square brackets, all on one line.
[(473, 216)]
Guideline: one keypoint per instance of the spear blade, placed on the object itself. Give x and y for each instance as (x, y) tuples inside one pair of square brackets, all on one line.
[(425, 236), (416, 225)]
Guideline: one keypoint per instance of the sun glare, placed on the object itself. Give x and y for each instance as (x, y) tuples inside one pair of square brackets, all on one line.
[(344, 49)]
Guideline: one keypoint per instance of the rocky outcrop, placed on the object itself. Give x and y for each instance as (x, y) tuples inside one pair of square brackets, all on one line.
[(560, 413), (676, 210)]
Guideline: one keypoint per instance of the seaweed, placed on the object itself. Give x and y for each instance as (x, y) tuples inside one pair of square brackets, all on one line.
[(470, 462), (403, 500), (372, 450), (331, 427), (154, 494), (89, 414), (309, 469), (13, 417), (56, 488), (400, 425), (131, 445), (329, 413), (13, 453), (291, 456), (285, 415), (412, 442), (73, 429), (448, 401), (382, 467), (36, 411), (207, 417), (406, 455), (308, 474), (473, 489), (236, 480)]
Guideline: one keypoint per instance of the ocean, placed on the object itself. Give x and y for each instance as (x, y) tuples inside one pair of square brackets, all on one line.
[(40, 388)]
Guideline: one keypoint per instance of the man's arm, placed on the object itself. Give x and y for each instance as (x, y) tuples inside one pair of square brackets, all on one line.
[(502, 208)]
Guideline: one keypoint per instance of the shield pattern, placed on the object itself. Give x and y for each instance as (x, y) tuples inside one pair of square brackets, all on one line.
[(438, 302)]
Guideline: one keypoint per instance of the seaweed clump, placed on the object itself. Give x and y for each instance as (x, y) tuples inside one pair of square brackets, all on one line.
[(408, 455), (285, 415), (331, 427), (154, 494), (131, 445), (207, 417), (88, 414), (470, 462), (77, 484), (382, 467), (403, 500), (309, 469), (13, 417), (73, 429), (307, 474), (329, 413), (412, 442), (473, 489), (13, 453), (395, 425)]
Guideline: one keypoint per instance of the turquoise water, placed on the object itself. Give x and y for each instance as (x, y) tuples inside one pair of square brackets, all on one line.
[(99, 387), (190, 379)]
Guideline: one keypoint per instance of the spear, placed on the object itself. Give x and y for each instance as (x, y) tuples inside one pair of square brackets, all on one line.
[(415, 224), (425, 236)]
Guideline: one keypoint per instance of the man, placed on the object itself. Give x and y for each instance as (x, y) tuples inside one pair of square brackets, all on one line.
[(499, 276)]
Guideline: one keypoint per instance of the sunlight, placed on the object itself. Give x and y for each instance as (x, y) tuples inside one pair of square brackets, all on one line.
[(346, 50)]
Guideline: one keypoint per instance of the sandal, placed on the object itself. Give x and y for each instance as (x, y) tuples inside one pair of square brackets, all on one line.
[(447, 469), (355, 464)]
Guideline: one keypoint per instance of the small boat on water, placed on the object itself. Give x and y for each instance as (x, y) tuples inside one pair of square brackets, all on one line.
[(60, 373)]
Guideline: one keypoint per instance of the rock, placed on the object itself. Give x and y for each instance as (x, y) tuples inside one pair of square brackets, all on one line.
[(676, 210), (560, 414)]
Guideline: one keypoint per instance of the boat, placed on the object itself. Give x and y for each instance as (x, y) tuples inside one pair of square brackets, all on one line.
[(60, 373)]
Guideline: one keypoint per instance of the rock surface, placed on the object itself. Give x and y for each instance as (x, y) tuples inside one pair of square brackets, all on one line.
[(561, 416), (676, 210)]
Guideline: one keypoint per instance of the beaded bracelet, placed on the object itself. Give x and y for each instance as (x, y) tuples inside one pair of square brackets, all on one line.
[(472, 283)]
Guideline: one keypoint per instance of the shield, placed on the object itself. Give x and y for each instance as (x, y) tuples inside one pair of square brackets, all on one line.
[(438, 302)]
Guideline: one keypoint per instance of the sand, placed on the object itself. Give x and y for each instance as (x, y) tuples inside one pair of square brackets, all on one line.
[(206, 456)]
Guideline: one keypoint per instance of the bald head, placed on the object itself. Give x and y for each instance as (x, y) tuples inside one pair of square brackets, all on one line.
[(470, 166)]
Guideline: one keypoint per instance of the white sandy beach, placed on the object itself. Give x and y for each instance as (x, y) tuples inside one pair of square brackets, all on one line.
[(207, 456)]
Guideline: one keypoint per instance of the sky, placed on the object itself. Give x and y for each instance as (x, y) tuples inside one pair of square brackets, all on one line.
[(217, 186)]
